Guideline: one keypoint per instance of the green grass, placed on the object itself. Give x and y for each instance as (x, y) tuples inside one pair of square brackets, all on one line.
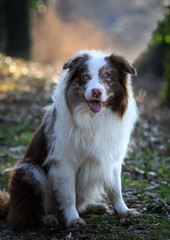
[(157, 226), (146, 161), (107, 228), (16, 133), (9, 161), (4, 178), (146, 227), (164, 169)]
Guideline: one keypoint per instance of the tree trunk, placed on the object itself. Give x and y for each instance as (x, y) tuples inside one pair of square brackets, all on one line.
[(18, 34)]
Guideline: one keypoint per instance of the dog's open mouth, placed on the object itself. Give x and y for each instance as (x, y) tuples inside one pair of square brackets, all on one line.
[(96, 106)]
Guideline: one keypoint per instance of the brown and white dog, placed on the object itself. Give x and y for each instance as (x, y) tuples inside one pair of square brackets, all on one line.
[(76, 154)]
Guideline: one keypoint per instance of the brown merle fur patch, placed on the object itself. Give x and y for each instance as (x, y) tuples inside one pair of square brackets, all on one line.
[(38, 148), (75, 85), (117, 68), (73, 63), (121, 64)]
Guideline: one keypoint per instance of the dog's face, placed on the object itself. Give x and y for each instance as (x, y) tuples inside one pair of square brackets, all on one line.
[(98, 81)]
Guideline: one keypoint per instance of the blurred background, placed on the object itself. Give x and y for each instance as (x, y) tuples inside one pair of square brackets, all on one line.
[(37, 37), (51, 31)]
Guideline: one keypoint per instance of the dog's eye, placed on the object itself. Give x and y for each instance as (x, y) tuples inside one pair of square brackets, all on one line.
[(108, 78), (86, 77)]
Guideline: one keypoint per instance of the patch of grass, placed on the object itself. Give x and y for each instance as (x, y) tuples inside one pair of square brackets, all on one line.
[(164, 168), (158, 183), (164, 190), (8, 162), (143, 157), (107, 228), (4, 179), (10, 157), (138, 185), (145, 227), (13, 135), (25, 137), (16, 133), (158, 226)]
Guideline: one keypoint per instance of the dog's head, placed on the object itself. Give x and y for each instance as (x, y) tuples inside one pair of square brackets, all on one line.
[(98, 81)]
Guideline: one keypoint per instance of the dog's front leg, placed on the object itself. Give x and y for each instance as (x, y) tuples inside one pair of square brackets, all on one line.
[(63, 183), (115, 194)]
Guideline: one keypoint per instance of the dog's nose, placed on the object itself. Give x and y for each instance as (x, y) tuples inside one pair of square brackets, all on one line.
[(96, 92)]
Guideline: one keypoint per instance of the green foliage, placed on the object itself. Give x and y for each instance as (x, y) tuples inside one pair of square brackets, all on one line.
[(107, 228), (156, 59), (165, 93), (37, 4), (161, 35)]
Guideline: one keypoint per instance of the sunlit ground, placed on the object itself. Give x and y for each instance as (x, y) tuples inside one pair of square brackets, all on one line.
[(18, 74)]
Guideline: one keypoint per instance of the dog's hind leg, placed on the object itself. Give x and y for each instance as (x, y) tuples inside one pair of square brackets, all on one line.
[(27, 189)]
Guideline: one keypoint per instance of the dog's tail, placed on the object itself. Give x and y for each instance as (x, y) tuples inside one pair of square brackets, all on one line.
[(4, 204)]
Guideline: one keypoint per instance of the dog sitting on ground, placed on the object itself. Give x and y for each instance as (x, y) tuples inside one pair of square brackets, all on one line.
[(76, 155)]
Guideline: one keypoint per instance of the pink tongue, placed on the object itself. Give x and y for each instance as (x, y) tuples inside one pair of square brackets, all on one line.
[(95, 106)]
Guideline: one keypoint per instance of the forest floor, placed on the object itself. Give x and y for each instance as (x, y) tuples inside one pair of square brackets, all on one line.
[(25, 88)]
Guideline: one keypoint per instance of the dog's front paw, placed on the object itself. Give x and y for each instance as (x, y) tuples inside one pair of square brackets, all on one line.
[(50, 220), (76, 223), (130, 212)]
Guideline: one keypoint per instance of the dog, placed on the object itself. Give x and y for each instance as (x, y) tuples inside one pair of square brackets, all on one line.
[(76, 155)]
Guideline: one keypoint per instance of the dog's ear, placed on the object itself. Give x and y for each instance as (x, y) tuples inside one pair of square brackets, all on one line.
[(68, 64), (75, 62), (122, 64)]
